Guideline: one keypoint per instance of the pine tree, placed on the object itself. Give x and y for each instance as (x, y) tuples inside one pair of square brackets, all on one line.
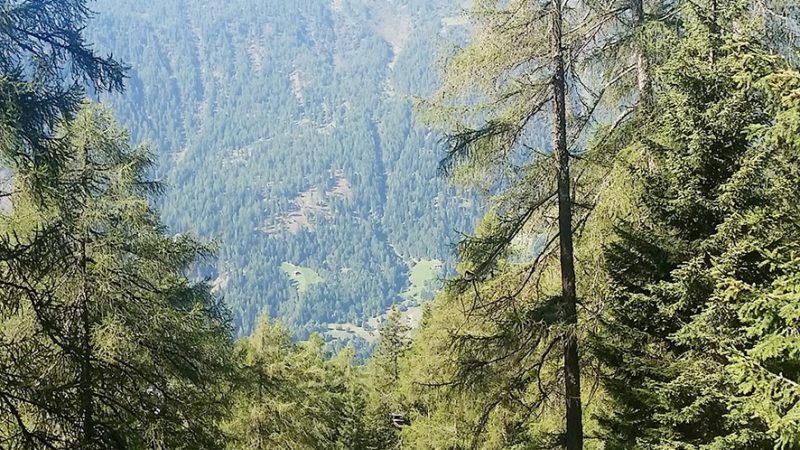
[(697, 259), (127, 351)]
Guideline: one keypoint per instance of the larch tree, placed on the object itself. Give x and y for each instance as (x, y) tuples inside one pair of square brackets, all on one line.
[(257, 418), (292, 396), (383, 373), (529, 66), (393, 343), (127, 352), (45, 67)]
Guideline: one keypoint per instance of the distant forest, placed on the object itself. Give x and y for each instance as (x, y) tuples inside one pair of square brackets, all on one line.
[(627, 173), (285, 133)]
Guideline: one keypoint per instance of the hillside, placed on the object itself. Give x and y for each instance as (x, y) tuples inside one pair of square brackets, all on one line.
[(284, 132)]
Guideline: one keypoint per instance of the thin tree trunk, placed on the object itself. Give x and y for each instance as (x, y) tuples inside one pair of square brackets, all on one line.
[(574, 426), (396, 364), (715, 32), (85, 382), (642, 64), (260, 425)]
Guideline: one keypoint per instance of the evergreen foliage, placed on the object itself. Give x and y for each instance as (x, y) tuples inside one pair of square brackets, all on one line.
[(45, 65), (385, 408), (260, 110), (121, 350), (293, 396), (695, 359), (393, 343), (674, 163), (531, 65)]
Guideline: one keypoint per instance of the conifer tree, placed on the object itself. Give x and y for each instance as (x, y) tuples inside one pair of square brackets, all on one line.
[(759, 276), (127, 352), (394, 341), (691, 364), (45, 66), (291, 396), (253, 425), (530, 65), (383, 374)]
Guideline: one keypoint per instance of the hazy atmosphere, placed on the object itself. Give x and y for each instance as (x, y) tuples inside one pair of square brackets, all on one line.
[(399, 224), (284, 131)]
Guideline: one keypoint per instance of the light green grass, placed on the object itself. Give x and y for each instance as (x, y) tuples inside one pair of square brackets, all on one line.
[(302, 277), (422, 274)]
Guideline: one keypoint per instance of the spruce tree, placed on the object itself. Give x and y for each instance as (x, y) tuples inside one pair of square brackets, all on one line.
[(757, 278), (693, 359)]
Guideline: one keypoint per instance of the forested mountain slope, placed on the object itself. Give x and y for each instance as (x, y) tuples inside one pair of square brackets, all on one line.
[(285, 133)]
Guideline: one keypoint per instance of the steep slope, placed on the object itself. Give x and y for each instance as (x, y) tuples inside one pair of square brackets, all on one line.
[(285, 133)]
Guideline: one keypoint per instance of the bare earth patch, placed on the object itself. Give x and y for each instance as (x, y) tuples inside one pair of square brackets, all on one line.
[(309, 204), (257, 52), (297, 86), (221, 282), (394, 27), (342, 189)]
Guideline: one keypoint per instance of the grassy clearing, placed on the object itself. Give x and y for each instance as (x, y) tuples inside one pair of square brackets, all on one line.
[(423, 274), (302, 277), (411, 316)]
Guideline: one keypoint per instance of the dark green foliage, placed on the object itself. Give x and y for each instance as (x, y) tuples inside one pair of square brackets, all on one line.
[(691, 363), (45, 65), (686, 217), (533, 69)]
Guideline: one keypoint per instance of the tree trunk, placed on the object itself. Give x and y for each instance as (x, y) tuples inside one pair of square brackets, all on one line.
[(260, 425), (642, 64), (85, 382), (713, 26), (574, 426)]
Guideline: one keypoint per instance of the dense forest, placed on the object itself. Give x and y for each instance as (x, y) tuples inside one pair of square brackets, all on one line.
[(633, 282), (285, 134)]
